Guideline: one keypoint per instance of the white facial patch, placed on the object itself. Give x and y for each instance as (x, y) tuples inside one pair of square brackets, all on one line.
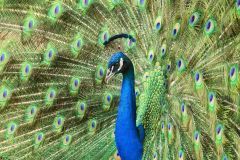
[(121, 64), (112, 69)]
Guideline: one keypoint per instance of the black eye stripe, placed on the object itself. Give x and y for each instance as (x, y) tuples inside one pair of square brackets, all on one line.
[(115, 67)]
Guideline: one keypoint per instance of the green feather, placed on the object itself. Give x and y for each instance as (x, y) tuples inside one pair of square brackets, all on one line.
[(54, 101)]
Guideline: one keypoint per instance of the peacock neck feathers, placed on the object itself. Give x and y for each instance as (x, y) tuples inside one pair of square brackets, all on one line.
[(127, 137)]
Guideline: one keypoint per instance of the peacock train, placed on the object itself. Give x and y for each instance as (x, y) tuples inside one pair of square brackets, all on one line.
[(120, 79)]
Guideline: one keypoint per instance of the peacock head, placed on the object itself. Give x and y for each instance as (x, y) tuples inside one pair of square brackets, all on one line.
[(118, 63)]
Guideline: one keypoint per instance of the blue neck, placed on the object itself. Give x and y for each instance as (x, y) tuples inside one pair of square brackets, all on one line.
[(127, 138)]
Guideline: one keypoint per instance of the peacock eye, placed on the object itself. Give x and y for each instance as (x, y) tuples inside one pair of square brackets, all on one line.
[(32, 111), (232, 73), (210, 26), (225, 157), (93, 124), (141, 2), (27, 69), (158, 23), (76, 82), (176, 30), (151, 55), (108, 98), (101, 72), (2, 57), (194, 19), (82, 106), (12, 128), (196, 136), (197, 76), (162, 125), (30, 24), (181, 65), (51, 94), (155, 155), (180, 154), (211, 96), (78, 43), (59, 121), (5, 93), (183, 107), (56, 10), (219, 129), (50, 54), (238, 4), (169, 126), (86, 2), (168, 67), (163, 50), (67, 138), (136, 93), (116, 64), (40, 137)]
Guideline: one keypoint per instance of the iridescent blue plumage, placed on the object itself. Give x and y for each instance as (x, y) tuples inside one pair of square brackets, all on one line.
[(128, 137)]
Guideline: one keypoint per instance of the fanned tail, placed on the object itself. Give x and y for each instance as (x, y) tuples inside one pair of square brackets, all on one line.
[(54, 102)]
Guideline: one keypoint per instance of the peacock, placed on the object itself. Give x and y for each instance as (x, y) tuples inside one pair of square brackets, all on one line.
[(120, 79)]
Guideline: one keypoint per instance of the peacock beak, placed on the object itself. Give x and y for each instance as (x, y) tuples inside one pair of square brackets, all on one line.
[(109, 74), (113, 71)]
